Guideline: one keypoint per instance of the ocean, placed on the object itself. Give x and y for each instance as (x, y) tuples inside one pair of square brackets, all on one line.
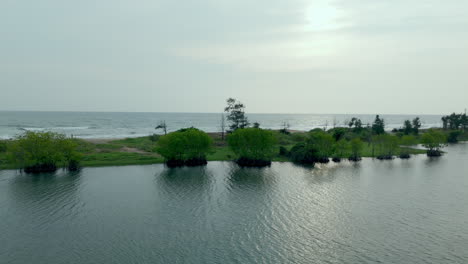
[(126, 124)]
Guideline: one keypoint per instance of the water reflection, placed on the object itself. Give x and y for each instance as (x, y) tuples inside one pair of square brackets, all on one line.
[(53, 187), (250, 178), (185, 181)]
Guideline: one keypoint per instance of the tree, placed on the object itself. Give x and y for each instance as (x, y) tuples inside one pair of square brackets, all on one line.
[(416, 125), (236, 115), (434, 141), (386, 145), (356, 146), (378, 127), (44, 152), (323, 143), (253, 146), (162, 125), (185, 147), (407, 127), (340, 150), (356, 124)]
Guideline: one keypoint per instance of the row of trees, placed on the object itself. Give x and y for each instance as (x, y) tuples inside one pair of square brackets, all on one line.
[(455, 122)]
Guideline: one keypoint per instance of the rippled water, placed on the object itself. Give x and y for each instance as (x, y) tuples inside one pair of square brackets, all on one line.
[(413, 211)]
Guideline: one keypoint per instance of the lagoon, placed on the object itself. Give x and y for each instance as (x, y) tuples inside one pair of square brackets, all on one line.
[(399, 211)]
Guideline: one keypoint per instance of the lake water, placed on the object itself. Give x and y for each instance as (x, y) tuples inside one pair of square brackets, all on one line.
[(121, 125), (413, 211)]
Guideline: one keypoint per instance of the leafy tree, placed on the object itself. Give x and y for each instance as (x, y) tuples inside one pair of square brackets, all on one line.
[(355, 124), (416, 125), (378, 127), (185, 147), (44, 152), (407, 127), (256, 125), (356, 146), (323, 143), (236, 115), (434, 141), (386, 145), (303, 153), (253, 146), (341, 149)]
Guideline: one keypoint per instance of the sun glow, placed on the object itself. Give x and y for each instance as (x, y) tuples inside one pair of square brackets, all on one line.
[(322, 15)]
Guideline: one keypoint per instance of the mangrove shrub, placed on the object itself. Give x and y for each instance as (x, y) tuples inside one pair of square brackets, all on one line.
[(433, 140), (356, 146), (44, 152), (253, 146), (185, 147)]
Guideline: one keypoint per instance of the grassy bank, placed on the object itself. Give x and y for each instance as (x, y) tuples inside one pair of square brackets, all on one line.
[(139, 151)]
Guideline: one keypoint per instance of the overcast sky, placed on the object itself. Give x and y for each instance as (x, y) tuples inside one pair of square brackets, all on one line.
[(276, 56)]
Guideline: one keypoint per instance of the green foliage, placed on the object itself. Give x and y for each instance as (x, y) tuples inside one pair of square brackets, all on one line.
[(416, 125), (341, 149), (154, 137), (453, 136), (44, 151), (338, 133), (356, 146), (408, 141), (455, 121), (3, 146), (378, 127), (322, 142), (407, 127), (355, 124), (184, 145), (386, 145), (303, 153), (253, 144), (434, 140), (236, 116)]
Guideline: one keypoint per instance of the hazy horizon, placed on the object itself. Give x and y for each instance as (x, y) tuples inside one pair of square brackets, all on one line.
[(281, 56)]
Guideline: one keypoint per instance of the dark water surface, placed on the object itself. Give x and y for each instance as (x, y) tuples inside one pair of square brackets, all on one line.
[(413, 211)]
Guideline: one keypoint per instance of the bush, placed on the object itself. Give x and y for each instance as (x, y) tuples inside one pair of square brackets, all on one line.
[(44, 152), (356, 149), (253, 146), (433, 140), (386, 145), (304, 153), (453, 136), (323, 143), (283, 151), (185, 147), (3, 146), (154, 137), (341, 149)]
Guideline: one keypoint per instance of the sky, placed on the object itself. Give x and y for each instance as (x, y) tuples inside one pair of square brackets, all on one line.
[(276, 56)]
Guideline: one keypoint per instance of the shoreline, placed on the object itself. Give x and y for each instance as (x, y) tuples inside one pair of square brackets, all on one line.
[(104, 152)]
